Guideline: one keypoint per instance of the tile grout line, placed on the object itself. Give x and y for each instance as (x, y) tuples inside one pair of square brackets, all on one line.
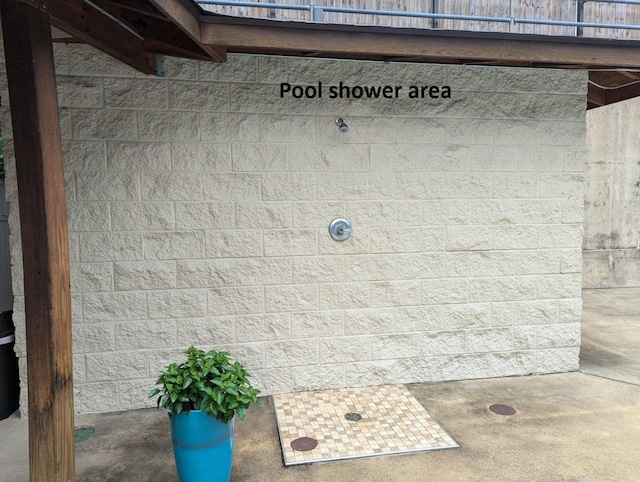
[(375, 437)]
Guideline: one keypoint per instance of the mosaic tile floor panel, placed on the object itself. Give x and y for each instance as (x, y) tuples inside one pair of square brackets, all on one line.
[(392, 422)]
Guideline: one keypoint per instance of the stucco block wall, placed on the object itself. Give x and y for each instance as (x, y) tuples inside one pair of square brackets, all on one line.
[(612, 197), (199, 207)]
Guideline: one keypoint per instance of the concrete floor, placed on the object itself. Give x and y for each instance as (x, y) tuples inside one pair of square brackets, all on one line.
[(611, 334), (569, 427)]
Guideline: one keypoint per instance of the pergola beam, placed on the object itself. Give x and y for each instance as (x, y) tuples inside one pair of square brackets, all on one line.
[(597, 96), (140, 7), (188, 21), (388, 43), (45, 242), (622, 93), (162, 36), (85, 23)]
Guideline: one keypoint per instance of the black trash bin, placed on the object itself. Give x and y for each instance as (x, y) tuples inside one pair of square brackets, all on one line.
[(9, 382)]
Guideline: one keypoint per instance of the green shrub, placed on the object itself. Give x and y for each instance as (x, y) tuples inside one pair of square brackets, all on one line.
[(206, 381)]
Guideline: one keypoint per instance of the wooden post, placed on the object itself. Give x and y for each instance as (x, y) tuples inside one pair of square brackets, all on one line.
[(45, 243)]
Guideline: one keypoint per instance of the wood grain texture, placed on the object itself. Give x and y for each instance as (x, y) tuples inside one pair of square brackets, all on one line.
[(162, 36), (429, 46), (565, 10), (89, 25), (614, 14), (622, 93), (189, 23), (45, 245)]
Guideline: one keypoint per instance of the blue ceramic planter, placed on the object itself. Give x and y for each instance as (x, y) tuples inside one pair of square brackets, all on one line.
[(202, 446)]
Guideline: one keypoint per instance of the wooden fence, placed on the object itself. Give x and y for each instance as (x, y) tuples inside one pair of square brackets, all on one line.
[(565, 10)]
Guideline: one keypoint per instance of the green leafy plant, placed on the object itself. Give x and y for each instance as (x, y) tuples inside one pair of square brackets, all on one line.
[(206, 381)]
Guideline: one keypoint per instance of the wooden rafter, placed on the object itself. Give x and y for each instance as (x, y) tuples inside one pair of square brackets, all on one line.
[(608, 87), (140, 7), (159, 33), (187, 20), (86, 23), (622, 93), (630, 75), (596, 95), (163, 37)]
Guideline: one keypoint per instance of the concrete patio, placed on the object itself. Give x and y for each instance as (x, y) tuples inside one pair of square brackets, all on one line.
[(573, 426)]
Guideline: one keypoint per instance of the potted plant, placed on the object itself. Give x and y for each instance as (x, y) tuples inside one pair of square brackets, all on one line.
[(202, 395)]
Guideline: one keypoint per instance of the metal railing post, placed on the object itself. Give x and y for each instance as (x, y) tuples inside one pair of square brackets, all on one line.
[(312, 10), (317, 13), (435, 8), (580, 17), (512, 14)]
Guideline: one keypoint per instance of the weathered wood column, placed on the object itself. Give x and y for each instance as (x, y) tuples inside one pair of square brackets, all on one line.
[(45, 244)]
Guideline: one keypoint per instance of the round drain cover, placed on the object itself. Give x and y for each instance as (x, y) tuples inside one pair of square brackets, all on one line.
[(353, 417), (303, 444), (502, 409), (82, 433)]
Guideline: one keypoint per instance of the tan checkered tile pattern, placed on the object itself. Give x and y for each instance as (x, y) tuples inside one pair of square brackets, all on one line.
[(393, 422)]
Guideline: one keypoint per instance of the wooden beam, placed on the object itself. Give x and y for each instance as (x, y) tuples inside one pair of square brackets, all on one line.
[(630, 75), (493, 63), (141, 7), (67, 40), (174, 50), (187, 21), (163, 36), (89, 25), (267, 36), (45, 242), (622, 93), (596, 95)]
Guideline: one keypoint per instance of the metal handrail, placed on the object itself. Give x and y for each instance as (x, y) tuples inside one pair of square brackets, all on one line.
[(317, 11), (231, 3), (629, 2)]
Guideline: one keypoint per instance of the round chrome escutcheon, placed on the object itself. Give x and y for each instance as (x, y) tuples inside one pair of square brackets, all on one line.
[(340, 229)]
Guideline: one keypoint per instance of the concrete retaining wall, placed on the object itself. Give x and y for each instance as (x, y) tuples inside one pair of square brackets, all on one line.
[(612, 197)]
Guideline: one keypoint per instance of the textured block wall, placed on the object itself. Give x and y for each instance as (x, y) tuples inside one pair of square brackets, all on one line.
[(612, 212), (199, 206)]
